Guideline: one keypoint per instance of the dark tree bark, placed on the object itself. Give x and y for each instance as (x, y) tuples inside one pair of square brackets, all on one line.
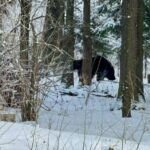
[(128, 49), (28, 109), (24, 31), (1, 44), (131, 62), (1, 29), (69, 45), (87, 45), (145, 65), (140, 53), (52, 31)]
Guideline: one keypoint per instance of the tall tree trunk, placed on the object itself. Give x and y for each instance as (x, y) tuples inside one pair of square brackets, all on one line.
[(1, 30), (128, 56), (24, 31), (87, 45), (28, 110), (1, 47), (140, 53), (52, 31), (69, 45), (131, 72)]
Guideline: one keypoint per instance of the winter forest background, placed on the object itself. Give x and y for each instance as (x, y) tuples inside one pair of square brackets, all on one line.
[(44, 105)]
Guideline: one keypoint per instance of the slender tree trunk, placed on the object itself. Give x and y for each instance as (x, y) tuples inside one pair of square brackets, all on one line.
[(140, 15), (69, 45), (28, 110), (52, 31), (24, 31), (87, 45), (1, 30), (34, 64), (145, 64), (1, 47)]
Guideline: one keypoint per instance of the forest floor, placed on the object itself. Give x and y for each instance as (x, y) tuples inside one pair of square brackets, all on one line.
[(94, 111), (81, 118)]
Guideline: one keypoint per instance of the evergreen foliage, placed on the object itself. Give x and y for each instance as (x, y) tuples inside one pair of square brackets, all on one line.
[(106, 27)]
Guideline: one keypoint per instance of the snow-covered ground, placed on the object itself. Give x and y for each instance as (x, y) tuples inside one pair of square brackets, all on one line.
[(19, 136), (81, 121), (84, 121)]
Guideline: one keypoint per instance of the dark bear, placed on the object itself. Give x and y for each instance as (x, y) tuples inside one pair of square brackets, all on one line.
[(100, 67)]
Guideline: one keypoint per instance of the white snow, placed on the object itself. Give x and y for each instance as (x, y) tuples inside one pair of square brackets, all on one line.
[(16, 136), (82, 122), (70, 114), (71, 124)]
